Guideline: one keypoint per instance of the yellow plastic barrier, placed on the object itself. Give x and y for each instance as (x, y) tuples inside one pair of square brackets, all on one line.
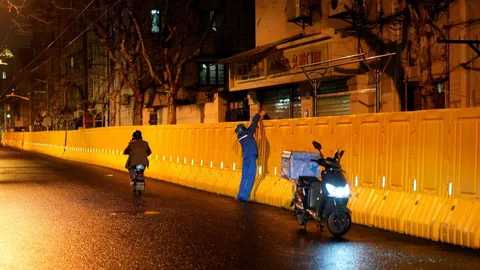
[(16, 140), (262, 188), (414, 172), (231, 187), (49, 143), (204, 174), (423, 220)]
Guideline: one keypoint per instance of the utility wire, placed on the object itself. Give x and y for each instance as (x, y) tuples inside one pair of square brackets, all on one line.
[(8, 34), (48, 47), (79, 35)]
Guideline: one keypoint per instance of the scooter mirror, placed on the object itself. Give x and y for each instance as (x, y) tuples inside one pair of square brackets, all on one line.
[(317, 145)]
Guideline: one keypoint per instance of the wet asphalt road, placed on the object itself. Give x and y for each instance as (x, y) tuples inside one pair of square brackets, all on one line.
[(56, 214)]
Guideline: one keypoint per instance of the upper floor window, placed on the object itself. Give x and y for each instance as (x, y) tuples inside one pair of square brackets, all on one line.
[(153, 118), (212, 18), (155, 21), (213, 74), (4, 75)]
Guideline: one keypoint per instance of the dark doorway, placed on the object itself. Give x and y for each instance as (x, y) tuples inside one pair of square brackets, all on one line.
[(414, 96)]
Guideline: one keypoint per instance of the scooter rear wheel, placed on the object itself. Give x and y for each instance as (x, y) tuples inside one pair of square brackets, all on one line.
[(339, 223)]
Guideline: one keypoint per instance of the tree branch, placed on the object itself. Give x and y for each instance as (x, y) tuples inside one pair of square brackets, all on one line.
[(20, 27), (139, 32), (197, 51), (16, 7), (37, 17), (62, 8), (119, 67)]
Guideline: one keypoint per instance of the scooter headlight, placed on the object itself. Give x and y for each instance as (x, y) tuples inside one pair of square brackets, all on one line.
[(338, 192)]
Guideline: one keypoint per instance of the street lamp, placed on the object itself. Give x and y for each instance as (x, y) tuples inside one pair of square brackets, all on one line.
[(5, 54), (21, 97), (24, 98)]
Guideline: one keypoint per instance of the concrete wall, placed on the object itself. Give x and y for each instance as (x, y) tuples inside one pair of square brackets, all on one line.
[(272, 25), (209, 112)]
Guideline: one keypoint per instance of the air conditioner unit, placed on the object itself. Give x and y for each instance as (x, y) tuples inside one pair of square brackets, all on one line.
[(297, 10), (339, 7)]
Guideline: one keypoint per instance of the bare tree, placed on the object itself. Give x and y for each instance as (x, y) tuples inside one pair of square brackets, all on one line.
[(140, 60), (420, 23), (144, 57), (424, 16), (184, 40), (30, 12), (123, 46)]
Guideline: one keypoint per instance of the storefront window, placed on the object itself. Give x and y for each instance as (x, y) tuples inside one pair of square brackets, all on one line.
[(282, 103)]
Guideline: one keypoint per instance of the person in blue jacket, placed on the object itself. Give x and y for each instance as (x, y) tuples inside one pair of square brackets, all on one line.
[(249, 154)]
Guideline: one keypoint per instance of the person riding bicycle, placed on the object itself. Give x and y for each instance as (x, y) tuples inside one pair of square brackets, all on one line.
[(138, 151)]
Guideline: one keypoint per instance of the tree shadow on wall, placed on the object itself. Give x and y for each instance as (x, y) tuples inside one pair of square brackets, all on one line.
[(394, 69), (201, 107), (264, 157)]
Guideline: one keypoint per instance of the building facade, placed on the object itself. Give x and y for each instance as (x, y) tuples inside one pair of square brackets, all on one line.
[(204, 96), (296, 40), (265, 54), (76, 84), (17, 102)]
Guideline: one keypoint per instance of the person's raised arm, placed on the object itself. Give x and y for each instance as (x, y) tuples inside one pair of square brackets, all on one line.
[(253, 126)]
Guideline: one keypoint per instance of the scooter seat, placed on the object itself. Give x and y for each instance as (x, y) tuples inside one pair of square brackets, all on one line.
[(306, 180)]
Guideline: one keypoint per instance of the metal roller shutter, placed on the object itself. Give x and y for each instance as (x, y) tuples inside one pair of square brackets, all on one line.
[(330, 106)]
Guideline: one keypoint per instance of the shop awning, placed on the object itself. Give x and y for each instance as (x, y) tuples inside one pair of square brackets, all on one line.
[(264, 49)]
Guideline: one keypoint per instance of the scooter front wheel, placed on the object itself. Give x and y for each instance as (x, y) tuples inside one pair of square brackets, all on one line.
[(339, 223)]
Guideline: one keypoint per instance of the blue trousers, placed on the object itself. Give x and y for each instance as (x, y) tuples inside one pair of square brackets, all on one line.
[(131, 170), (248, 177)]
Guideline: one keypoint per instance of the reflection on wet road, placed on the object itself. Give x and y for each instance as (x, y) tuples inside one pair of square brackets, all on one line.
[(62, 215)]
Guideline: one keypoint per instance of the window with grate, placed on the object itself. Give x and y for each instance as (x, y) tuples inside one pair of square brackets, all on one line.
[(214, 25), (212, 75), (238, 111), (153, 118), (155, 19)]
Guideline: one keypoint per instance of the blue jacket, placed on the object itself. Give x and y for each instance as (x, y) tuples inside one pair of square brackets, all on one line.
[(247, 139)]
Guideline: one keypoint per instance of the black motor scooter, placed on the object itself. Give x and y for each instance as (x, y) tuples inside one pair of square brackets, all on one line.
[(324, 200)]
